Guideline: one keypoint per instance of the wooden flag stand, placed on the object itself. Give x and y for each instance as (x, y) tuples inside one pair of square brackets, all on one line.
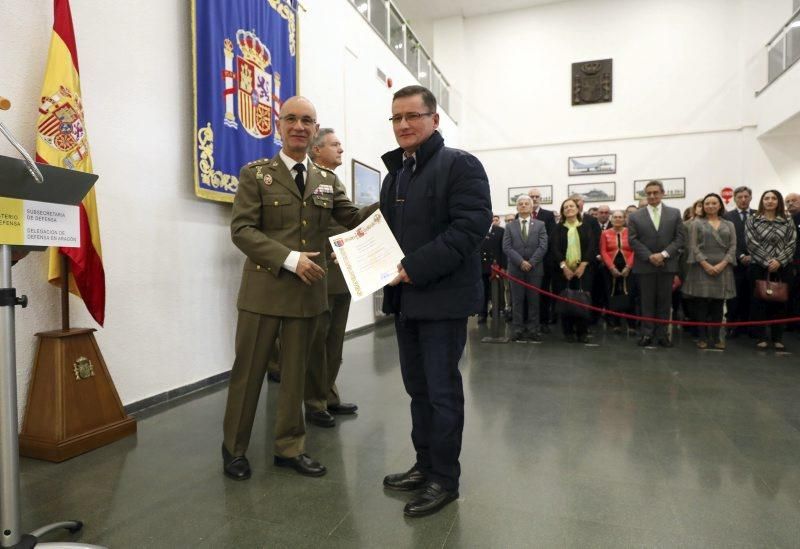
[(73, 406)]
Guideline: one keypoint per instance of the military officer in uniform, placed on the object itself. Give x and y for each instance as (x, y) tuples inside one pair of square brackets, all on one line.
[(491, 253), (280, 220), (322, 395)]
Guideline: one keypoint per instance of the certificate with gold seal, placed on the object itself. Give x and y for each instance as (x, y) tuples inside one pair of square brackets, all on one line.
[(368, 256)]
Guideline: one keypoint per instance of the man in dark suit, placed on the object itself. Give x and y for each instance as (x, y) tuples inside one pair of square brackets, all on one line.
[(491, 253), (739, 307), (597, 291), (437, 203), (546, 312), (656, 235), (525, 243)]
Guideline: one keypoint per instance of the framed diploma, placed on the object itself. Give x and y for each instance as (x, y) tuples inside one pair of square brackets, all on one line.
[(366, 184)]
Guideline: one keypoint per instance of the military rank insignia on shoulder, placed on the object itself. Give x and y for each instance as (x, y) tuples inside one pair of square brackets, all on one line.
[(323, 171)]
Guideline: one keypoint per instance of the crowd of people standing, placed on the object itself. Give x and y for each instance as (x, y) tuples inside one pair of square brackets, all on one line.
[(705, 265)]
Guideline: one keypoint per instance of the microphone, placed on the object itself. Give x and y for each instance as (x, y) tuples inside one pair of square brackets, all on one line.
[(5, 104)]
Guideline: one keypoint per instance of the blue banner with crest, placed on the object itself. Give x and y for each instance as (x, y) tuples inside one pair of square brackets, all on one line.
[(245, 66)]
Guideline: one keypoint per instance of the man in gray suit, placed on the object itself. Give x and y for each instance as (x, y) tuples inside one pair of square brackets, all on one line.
[(656, 234), (525, 243)]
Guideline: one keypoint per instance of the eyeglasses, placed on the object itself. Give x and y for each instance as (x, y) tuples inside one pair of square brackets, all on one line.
[(291, 119), (409, 117)]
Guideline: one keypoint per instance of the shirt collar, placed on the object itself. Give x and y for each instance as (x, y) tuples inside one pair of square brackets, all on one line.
[(290, 162)]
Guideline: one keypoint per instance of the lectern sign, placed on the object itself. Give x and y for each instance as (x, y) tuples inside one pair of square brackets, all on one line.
[(32, 223)]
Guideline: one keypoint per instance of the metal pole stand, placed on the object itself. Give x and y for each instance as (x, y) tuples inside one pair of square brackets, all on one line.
[(10, 535), (496, 336)]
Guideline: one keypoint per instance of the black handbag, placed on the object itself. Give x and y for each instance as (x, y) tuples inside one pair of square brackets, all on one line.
[(571, 310), (621, 302)]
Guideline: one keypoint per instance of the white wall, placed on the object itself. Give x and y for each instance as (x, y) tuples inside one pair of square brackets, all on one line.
[(683, 104), (171, 271)]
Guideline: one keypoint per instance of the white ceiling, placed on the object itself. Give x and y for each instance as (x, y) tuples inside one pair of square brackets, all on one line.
[(416, 10)]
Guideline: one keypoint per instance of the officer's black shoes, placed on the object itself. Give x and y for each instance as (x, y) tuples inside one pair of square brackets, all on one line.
[(322, 418), (235, 467), (302, 464), (343, 408), (430, 500), (410, 480)]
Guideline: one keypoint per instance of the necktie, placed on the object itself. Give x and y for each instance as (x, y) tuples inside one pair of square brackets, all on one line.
[(534, 215), (656, 217), (403, 178), (743, 215), (524, 230), (298, 179)]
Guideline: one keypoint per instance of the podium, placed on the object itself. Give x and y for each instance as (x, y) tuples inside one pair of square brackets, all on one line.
[(34, 215)]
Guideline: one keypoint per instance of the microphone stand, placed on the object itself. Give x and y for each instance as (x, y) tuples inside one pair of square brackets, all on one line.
[(10, 536)]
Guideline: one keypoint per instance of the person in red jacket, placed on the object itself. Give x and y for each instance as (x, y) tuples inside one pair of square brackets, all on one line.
[(617, 256)]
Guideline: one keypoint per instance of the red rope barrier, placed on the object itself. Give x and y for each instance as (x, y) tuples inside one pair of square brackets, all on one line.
[(502, 274)]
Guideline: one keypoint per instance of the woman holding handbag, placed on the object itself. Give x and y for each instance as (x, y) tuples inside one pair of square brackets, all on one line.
[(710, 256), (572, 246), (771, 238), (617, 255)]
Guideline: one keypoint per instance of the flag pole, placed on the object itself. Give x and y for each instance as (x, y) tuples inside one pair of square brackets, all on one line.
[(64, 293)]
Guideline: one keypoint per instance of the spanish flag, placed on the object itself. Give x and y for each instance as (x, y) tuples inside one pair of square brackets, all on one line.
[(61, 141)]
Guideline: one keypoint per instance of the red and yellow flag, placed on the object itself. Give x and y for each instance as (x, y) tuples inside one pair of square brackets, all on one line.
[(61, 141)]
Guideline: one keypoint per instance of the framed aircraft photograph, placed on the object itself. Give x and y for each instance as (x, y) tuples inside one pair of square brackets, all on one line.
[(516, 192), (594, 192), (592, 165), (366, 184), (547, 193), (674, 187)]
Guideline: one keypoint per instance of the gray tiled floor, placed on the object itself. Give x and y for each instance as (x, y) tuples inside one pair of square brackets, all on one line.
[(564, 446)]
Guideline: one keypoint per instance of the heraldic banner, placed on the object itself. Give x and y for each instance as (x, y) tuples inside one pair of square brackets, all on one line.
[(61, 141), (245, 66)]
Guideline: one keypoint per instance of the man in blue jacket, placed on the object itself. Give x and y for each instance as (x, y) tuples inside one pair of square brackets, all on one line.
[(437, 203)]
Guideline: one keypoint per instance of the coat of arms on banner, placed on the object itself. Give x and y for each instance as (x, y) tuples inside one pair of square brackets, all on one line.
[(61, 126), (250, 83)]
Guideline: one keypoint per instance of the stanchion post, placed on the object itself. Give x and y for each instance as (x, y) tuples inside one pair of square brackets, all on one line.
[(496, 336)]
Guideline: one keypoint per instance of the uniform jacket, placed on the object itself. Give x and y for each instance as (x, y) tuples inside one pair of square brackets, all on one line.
[(336, 283), (445, 217), (646, 240), (532, 250), (492, 249), (270, 219)]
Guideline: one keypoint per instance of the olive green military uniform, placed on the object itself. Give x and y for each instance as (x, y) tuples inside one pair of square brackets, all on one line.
[(270, 218), (326, 351)]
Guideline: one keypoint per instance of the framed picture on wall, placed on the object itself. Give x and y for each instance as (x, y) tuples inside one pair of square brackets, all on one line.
[(514, 193), (594, 192), (546, 191), (366, 184), (674, 187), (592, 165)]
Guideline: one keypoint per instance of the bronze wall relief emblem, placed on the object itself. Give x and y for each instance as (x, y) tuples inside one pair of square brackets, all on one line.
[(83, 368), (592, 82)]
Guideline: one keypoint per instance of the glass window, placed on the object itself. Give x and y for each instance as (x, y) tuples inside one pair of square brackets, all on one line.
[(412, 50), (424, 70), (435, 84), (444, 97), (362, 6), (775, 65), (377, 16), (397, 35), (793, 41)]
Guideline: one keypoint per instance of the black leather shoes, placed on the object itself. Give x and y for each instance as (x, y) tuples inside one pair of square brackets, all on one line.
[(645, 341), (343, 408), (275, 377), (410, 480), (303, 465), (322, 418), (430, 500), (237, 468), (665, 342)]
